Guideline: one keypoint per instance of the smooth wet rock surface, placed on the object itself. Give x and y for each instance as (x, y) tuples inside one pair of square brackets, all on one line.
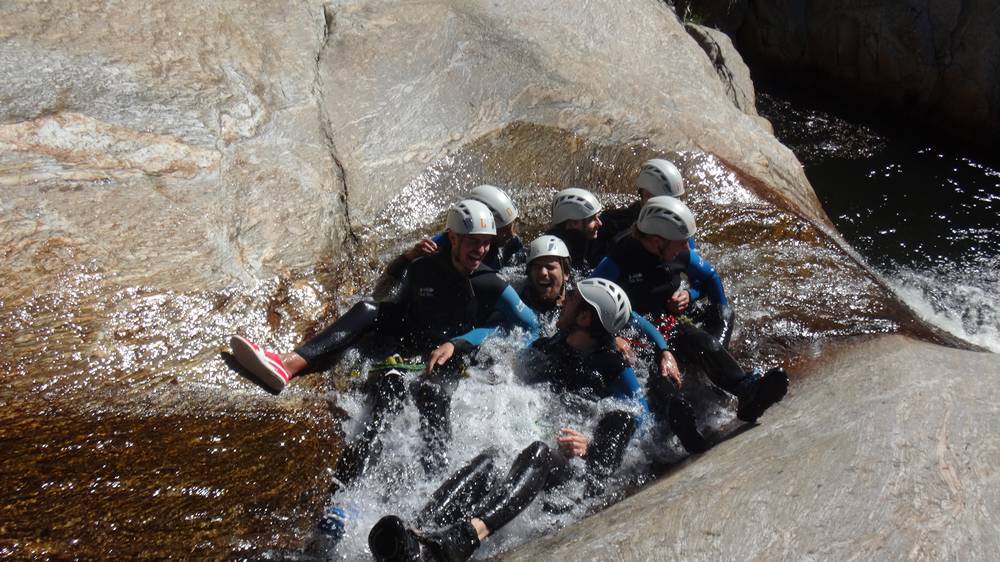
[(886, 450)]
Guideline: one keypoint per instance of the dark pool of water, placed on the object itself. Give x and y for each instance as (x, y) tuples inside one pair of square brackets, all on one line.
[(921, 210)]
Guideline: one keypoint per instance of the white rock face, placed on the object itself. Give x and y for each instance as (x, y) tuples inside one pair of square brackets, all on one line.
[(886, 450), (179, 145), (406, 84)]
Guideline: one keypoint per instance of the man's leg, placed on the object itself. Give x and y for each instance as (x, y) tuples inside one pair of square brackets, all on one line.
[(433, 398), (346, 330), (755, 392), (668, 404), (390, 540), (717, 320), (455, 499), (387, 393)]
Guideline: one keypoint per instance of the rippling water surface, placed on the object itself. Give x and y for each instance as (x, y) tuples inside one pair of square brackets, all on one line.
[(922, 211)]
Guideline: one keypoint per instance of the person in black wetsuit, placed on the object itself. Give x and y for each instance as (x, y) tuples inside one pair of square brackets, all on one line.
[(506, 250), (640, 263), (442, 305), (656, 177), (581, 360), (576, 220)]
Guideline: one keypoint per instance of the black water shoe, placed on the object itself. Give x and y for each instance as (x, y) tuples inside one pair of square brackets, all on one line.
[(390, 541), (760, 392)]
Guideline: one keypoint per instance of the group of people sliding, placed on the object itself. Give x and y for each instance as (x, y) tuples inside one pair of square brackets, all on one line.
[(599, 276)]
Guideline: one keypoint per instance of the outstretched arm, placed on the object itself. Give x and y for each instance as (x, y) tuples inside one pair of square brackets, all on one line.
[(515, 312), (512, 310), (389, 282)]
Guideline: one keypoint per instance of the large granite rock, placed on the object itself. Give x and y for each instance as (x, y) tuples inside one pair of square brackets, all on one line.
[(406, 84), (191, 152), (887, 449), (218, 141)]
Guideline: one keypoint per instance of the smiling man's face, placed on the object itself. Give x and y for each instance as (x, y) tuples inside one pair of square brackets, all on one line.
[(547, 278)]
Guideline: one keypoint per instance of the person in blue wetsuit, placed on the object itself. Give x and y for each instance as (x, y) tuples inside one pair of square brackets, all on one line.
[(442, 301), (655, 282), (505, 250), (476, 501), (576, 220), (641, 263)]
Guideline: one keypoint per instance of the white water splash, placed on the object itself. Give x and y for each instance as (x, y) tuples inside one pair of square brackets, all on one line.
[(490, 408), (961, 299)]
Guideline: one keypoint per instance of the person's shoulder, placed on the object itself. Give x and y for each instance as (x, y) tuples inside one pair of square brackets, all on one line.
[(433, 263), (486, 278)]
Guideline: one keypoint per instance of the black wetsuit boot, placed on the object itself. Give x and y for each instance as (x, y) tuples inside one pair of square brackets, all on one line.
[(387, 400), (391, 541), (760, 393)]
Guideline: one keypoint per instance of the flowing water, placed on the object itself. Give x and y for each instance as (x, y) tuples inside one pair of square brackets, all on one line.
[(127, 433), (923, 212)]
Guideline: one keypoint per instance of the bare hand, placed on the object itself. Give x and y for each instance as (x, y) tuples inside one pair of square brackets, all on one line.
[(625, 349), (669, 368), (678, 302), (425, 247), (440, 356), (572, 443)]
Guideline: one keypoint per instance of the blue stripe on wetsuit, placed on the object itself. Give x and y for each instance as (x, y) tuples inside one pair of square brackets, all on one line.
[(703, 279), (514, 312), (626, 387)]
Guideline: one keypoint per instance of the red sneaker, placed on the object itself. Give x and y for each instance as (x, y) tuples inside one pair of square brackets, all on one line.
[(265, 365)]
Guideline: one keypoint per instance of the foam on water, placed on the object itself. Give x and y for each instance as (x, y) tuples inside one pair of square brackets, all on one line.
[(958, 298), (490, 408)]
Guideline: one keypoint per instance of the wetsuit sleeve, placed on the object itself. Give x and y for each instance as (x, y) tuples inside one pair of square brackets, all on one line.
[(607, 269), (473, 337), (626, 387), (704, 280), (513, 311), (440, 238), (649, 330), (691, 244), (388, 283)]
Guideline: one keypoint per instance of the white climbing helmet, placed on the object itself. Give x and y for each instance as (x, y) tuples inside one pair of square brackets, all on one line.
[(499, 202), (666, 217), (610, 301), (573, 204), (469, 216), (660, 177), (547, 245)]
